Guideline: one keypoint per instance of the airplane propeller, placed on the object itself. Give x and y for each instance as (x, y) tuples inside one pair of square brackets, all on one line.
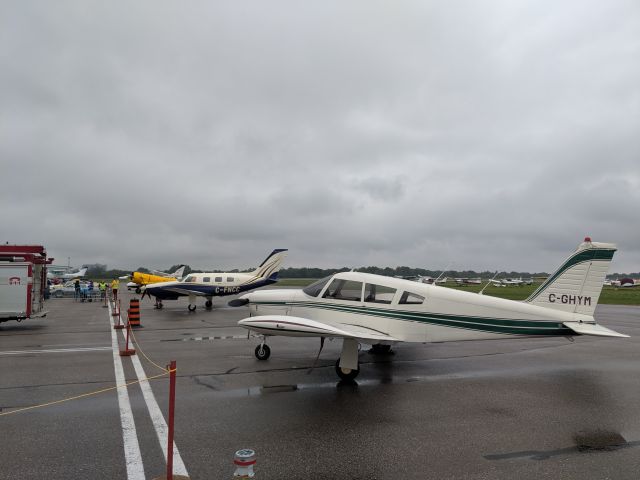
[(238, 302), (144, 292)]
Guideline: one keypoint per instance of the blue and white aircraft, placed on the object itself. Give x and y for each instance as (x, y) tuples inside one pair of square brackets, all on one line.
[(217, 284), (381, 311)]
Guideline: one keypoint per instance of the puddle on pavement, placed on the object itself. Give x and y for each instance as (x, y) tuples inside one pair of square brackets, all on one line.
[(587, 441), (278, 388)]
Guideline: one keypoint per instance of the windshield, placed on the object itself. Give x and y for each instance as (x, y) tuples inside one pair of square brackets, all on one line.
[(316, 287)]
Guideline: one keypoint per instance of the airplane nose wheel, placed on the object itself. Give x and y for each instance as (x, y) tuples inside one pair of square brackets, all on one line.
[(346, 373), (262, 351), (192, 308)]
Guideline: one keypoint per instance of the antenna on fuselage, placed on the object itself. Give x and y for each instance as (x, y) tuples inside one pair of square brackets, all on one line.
[(446, 269), (490, 280)]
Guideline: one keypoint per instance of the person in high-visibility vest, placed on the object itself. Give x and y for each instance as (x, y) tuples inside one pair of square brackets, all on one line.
[(115, 284)]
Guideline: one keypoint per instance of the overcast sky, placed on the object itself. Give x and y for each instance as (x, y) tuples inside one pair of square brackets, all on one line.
[(494, 134)]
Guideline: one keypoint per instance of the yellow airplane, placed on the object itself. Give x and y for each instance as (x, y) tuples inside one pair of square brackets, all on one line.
[(139, 279)]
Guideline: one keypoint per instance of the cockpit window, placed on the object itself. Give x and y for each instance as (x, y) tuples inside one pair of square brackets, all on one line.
[(378, 293), (344, 290), (409, 298), (190, 278), (316, 287)]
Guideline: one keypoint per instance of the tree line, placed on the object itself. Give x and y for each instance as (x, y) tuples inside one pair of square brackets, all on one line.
[(101, 271)]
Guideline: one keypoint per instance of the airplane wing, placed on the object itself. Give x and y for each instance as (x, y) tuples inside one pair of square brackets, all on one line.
[(185, 291), (177, 274), (160, 274), (593, 329), (303, 327)]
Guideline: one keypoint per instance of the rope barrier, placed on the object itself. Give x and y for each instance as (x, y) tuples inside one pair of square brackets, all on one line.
[(135, 340), (89, 394), (165, 371)]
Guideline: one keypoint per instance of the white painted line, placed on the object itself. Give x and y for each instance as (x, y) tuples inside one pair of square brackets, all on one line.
[(56, 350), (159, 423), (132, 455)]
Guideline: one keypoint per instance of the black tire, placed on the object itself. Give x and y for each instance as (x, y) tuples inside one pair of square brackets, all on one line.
[(380, 349), (208, 304), (192, 308), (262, 352), (346, 374), (138, 291), (58, 294)]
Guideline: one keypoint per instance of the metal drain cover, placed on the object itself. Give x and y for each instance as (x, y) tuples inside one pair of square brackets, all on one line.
[(278, 388)]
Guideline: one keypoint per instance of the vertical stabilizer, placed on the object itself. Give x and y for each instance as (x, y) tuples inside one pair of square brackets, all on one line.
[(179, 273), (271, 264), (575, 287)]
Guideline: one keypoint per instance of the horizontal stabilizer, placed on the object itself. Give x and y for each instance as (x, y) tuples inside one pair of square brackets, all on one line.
[(593, 329), (297, 326)]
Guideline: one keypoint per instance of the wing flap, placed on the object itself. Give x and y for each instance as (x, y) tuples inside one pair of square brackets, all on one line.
[(593, 329), (304, 327)]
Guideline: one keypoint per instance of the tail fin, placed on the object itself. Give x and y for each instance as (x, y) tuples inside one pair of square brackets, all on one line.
[(575, 287), (179, 273), (271, 264), (80, 273)]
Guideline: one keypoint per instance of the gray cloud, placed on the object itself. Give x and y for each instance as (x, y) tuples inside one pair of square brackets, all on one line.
[(495, 135)]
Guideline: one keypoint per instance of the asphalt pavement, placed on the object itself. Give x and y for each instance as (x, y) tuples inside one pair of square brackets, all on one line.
[(515, 408)]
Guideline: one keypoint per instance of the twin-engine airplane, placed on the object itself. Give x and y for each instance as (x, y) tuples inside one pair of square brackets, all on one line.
[(218, 284), (381, 311), (139, 279)]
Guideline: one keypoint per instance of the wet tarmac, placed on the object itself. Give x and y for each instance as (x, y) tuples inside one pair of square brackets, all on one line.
[(516, 408)]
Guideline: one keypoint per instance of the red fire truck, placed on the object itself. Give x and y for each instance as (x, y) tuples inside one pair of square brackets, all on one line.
[(23, 280)]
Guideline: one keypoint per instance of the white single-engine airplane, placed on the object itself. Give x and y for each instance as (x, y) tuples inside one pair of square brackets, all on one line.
[(382, 311), (218, 284), (71, 275)]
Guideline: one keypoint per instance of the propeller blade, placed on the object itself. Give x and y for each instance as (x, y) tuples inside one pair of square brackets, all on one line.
[(238, 302)]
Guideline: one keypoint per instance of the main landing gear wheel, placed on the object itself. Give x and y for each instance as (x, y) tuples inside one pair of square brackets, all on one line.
[(138, 291), (380, 349), (192, 308), (262, 352), (346, 373), (208, 304)]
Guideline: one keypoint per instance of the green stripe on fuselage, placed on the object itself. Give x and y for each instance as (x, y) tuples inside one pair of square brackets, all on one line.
[(483, 324)]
